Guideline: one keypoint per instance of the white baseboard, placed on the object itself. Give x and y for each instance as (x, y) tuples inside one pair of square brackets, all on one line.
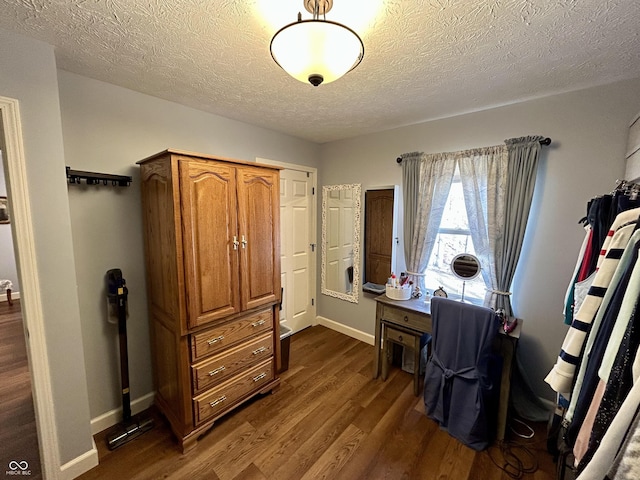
[(80, 465), (349, 331), (14, 296), (114, 417)]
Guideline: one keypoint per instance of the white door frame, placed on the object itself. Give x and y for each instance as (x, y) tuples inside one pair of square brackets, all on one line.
[(314, 224), (31, 305)]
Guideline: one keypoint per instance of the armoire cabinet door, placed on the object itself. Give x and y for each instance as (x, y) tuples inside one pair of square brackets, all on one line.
[(259, 228), (209, 219)]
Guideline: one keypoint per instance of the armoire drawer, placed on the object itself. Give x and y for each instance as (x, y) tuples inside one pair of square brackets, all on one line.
[(220, 367), (407, 319), (220, 398), (217, 338)]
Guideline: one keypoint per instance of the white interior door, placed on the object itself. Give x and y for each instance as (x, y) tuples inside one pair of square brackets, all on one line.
[(297, 239), (339, 233)]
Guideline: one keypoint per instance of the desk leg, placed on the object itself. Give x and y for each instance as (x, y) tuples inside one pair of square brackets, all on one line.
[(378, 333), (507, 348), (416, 366)]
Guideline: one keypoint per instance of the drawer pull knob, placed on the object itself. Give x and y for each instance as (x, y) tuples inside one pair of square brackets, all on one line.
[(400, 337), (258, 323), (216, 371), (259, 350), (259, 377), (218, 401), (215, 340), (406, 319)]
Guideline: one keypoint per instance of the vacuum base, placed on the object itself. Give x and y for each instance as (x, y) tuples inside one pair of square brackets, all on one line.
[(126, 431)]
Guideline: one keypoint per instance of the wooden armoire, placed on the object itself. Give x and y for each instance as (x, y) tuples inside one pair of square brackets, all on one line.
[(212, 248)]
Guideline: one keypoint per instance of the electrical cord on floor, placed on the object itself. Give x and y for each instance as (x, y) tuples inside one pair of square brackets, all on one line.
[(514, 465)]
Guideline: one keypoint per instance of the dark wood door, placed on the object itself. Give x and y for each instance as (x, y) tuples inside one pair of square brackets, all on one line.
[(378, 235)]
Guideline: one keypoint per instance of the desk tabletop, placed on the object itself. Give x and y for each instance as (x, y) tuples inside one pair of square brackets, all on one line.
[(421, 306)]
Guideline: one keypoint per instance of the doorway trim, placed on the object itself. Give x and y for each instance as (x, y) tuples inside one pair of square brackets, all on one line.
[(314, 214), (33, 318)]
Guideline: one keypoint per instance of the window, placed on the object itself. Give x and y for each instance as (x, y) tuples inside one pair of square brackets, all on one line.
[(453, 238)]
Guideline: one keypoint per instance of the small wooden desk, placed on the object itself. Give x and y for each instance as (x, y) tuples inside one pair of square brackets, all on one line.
[(415, 316)]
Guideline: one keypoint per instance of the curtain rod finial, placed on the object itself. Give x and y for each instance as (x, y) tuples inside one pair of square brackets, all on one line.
[(399, 159)]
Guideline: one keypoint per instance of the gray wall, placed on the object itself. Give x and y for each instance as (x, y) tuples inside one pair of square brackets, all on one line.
[(8, 268), (107, 129), (589, 131), (29, 75)]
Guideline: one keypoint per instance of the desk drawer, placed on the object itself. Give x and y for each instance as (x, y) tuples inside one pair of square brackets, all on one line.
[(213, 402), (402, 338), (220, 367), (404, 318), (217, 339)]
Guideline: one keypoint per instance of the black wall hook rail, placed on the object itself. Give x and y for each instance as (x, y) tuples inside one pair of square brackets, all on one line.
[(544, 141), (93, 178)]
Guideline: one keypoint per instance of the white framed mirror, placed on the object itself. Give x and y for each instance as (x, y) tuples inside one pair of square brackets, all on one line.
[(340, 269)]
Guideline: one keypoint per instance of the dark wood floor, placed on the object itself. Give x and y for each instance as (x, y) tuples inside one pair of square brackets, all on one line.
[(18, 434), (330, 420)]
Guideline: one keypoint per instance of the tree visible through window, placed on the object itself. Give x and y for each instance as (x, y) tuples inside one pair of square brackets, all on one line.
[(453, 238)]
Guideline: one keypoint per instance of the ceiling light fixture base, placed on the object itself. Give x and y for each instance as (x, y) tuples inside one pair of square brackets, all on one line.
[(323, 6)]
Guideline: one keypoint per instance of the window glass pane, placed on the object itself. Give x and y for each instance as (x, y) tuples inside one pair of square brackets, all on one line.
[(455, 213), (453, 238)]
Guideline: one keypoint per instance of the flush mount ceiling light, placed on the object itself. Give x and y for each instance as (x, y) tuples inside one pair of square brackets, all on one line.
[(317, 50)]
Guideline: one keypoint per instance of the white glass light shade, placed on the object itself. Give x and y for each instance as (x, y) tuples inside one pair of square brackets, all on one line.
[(309, 48)]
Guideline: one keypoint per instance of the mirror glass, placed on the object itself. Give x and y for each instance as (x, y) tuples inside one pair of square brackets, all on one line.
[(465, 266), (380, 236), (341, 241)]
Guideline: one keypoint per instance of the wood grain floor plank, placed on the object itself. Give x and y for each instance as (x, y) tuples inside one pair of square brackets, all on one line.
[(18, 431), (310, 451), (328, 419), (337, 455)]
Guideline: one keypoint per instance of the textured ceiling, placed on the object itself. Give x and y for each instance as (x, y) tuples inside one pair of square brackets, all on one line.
[(424, 59)]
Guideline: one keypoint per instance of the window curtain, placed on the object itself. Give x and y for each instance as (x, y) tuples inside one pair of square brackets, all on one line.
[(498, 184), (522, 164), (483, 174), (426, 182)]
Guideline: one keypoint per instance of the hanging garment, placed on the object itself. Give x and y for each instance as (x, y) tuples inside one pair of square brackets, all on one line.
[(627, 464), (459, 391), (569, 299), (607, 454), (626, 263), (561, 375), (619, 384), (598, 340), (599, 219)]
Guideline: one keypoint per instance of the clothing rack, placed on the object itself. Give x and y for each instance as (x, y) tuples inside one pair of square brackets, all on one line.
[(544, 142), (628, 188)]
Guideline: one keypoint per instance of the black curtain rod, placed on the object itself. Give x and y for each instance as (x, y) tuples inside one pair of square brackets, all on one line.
[(544, 141)]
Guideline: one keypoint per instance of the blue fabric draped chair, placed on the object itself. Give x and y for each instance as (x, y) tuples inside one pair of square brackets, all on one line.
[(462, 378)]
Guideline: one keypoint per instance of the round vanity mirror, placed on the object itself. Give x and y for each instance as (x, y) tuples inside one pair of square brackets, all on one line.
[(465, 266)]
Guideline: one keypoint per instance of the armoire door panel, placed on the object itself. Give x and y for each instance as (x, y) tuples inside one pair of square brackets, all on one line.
[(160, 236), (210, 224), (258, 220)]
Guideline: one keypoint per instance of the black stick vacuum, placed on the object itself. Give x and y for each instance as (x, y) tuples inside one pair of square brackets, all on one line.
[(131, 426)]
